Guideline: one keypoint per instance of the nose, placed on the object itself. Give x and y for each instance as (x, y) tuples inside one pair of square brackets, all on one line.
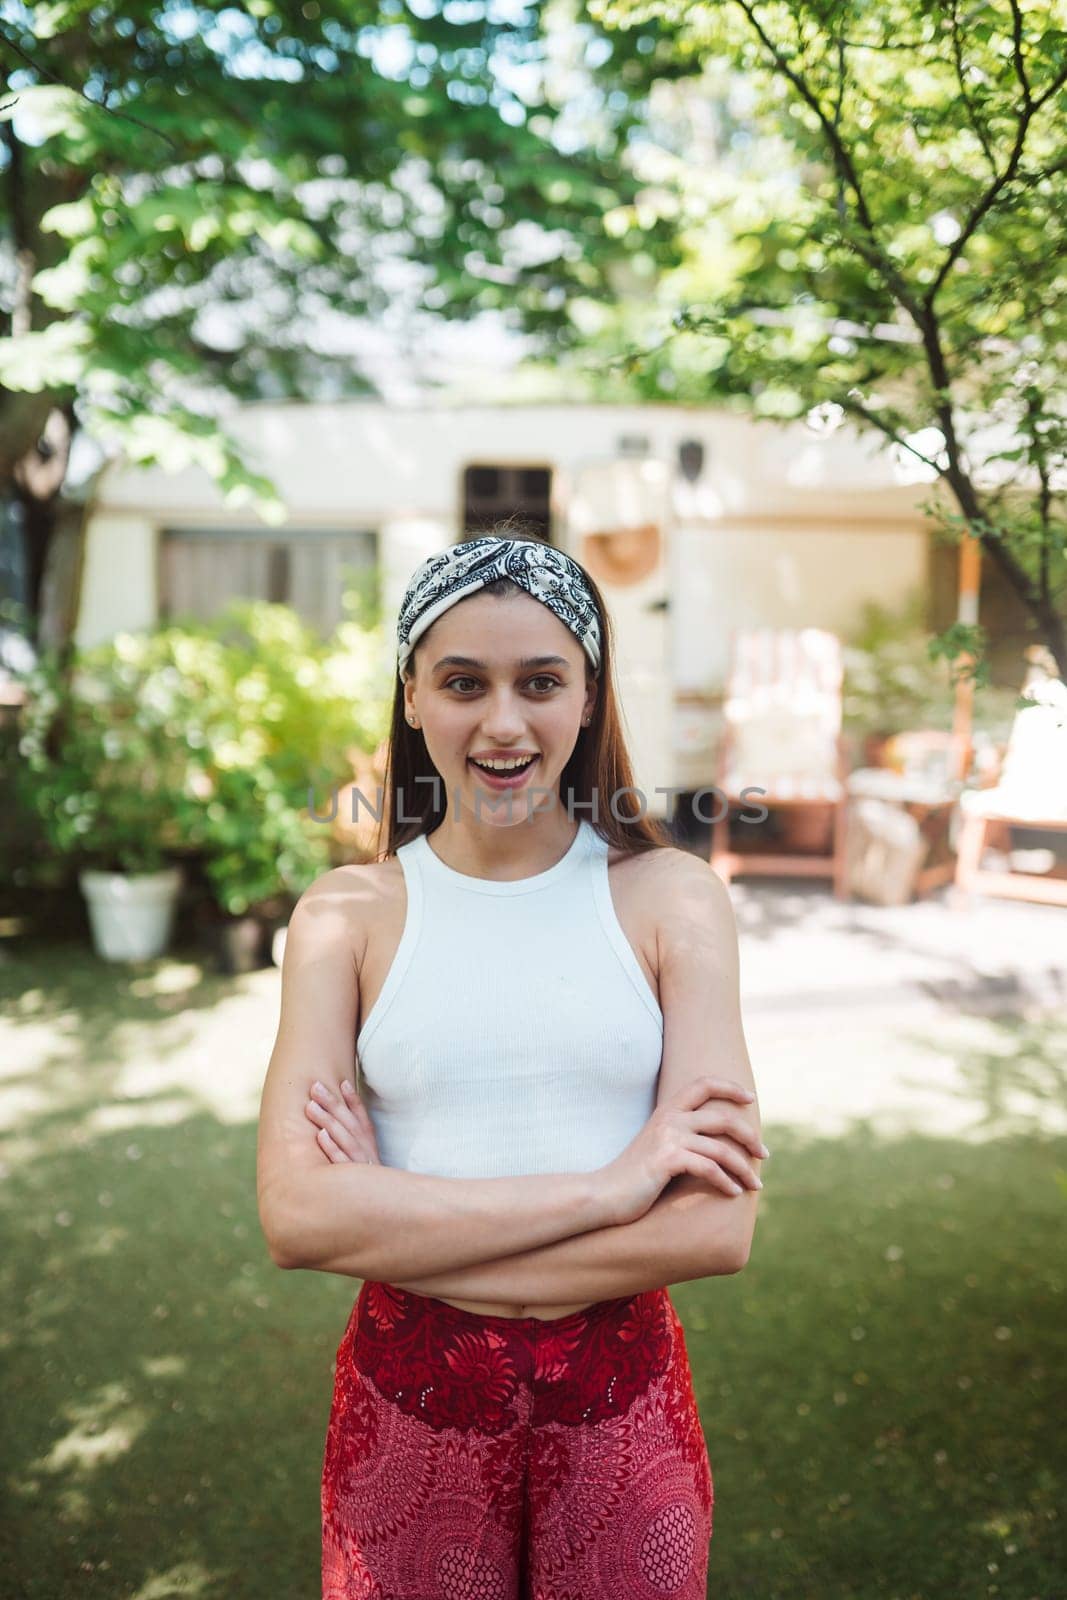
[(503, 719)]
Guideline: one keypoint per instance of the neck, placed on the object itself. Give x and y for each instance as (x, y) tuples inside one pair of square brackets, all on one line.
[(518, 849)]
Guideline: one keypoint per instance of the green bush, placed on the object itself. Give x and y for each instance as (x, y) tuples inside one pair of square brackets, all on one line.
[(107, 741), (202, 739), (892, 683)]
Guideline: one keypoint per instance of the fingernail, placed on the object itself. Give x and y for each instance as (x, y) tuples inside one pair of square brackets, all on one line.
[(765, 1151), (759, 1183), (345, 1084), (320, 1087)]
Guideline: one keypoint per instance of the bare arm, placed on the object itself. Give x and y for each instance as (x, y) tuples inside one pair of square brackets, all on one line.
[(375, 1221), (688, 1233), (691, 1231), (378, 1222)]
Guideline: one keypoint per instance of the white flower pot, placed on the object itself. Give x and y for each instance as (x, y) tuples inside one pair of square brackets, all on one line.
[(131, 914)]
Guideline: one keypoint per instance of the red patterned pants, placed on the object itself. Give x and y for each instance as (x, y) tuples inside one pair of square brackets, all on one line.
[(513, 1458)]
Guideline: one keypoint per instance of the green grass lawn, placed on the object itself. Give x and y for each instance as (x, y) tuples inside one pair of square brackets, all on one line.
[(881, 1388)]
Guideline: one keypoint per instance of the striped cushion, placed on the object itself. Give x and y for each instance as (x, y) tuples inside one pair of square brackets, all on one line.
[(783, 706)]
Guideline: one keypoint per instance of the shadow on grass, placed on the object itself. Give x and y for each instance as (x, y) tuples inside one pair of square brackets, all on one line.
[(878, 1387), (91, 1003)]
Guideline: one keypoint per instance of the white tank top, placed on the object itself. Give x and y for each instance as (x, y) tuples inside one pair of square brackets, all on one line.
[(515, 1031)]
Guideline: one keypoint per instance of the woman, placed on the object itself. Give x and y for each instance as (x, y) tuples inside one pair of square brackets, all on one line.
[(550, 1037)]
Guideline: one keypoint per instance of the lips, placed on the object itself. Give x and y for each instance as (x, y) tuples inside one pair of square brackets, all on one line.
[(504, 780)]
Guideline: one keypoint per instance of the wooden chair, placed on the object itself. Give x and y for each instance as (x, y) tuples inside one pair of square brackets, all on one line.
[(782, 739), (1030, 792)]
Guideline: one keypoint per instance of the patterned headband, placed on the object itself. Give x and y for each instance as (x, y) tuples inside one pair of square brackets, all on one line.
[(541, 569)]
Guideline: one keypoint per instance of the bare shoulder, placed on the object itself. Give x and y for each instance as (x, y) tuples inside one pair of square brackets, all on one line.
[(693, 911), (675, 903), (682, 869), (671, 869), (342, 904)]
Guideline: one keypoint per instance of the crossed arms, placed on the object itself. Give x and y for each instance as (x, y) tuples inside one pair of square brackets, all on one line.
[(538, 1240)]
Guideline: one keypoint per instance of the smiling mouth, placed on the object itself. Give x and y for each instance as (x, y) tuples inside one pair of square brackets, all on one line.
[(503, 772)]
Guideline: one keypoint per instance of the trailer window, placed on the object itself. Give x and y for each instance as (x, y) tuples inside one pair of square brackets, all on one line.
[(201, 569), (492, 493)]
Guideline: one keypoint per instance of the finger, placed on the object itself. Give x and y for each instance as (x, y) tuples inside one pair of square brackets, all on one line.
[(356, 1106), (729, 1124), (342, 1114), (707, 1088), (362, 1116), (746, 1136), (703, 1167), (316, 1113), (751, 1140), (695, 1093), (334, 1099), (338, 1131), (330, 1146), (343, 1151), (729, 1156), (731, 1089)]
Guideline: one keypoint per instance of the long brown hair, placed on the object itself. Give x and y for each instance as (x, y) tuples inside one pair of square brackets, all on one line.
[(600, 762)]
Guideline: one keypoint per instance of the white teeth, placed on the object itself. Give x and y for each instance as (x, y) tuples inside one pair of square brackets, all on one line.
[(503, 766)]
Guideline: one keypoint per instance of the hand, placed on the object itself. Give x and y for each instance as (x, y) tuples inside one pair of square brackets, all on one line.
[(680, 1137), (346, 1132)]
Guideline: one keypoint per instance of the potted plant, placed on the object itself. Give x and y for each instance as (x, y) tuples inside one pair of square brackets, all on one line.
[(104, 773), (289, 715), (259, 852), (893, 686), (891, 683), (198, 743)]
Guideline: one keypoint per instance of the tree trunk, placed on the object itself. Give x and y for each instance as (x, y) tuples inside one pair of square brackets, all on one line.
[(36, 481), (1051, 623), (38, 530)]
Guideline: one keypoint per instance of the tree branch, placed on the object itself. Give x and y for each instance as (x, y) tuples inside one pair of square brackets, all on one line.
[(97, 105), (858, 409), (992, 194), (1018, 59), (963, 489), (885, 44), (872, 253), (1034, 412), (977, 125)]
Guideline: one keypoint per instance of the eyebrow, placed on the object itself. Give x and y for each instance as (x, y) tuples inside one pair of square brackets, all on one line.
[(526, 661)]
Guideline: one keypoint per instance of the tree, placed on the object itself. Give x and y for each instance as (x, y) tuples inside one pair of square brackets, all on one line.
[(189, 193), (891, 252)]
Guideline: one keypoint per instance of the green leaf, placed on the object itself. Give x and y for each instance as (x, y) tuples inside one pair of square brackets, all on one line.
[(51, 359)]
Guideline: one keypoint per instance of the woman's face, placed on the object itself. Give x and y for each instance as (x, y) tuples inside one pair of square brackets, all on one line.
[(491, 703)]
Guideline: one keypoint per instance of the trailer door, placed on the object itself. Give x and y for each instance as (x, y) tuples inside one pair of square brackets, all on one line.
[(616, 522)]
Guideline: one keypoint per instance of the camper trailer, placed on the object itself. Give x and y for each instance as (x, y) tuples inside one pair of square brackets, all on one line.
[(694, 521)]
